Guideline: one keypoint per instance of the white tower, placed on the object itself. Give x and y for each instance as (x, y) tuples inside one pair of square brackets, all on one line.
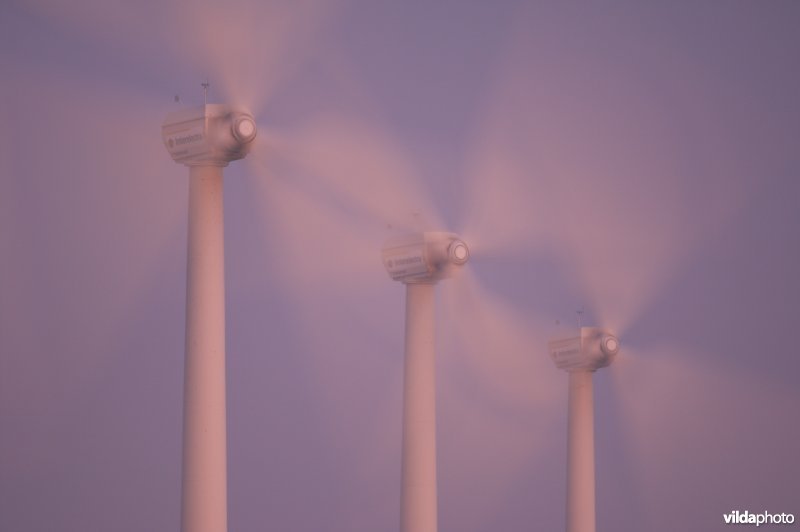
[(419, 261), (581, 356), (205, 139)]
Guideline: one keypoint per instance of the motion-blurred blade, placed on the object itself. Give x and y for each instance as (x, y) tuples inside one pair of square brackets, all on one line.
[(621, 202), (495, 397), (496, 343), (681, 414), (363, 170), (250, 50)]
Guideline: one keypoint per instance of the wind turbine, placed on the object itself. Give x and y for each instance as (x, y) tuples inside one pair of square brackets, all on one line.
[(419, 261), (205, 139), (581, 356)]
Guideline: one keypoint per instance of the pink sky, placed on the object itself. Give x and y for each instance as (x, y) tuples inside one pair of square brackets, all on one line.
[(637, 161)]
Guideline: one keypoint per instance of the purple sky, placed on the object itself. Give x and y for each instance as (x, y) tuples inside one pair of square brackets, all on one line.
[(637, 161)]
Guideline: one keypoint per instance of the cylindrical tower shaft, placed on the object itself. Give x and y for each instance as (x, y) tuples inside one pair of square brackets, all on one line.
[(204, 496), (580, 457), (418, 497)]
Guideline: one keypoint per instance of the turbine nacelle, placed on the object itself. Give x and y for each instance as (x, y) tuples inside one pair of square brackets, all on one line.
[(592, 349), (209, 135), (424, 257)]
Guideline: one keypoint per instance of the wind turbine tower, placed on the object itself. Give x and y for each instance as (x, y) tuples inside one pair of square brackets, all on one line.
[(419, 261), (581, 356), (205, 139)]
